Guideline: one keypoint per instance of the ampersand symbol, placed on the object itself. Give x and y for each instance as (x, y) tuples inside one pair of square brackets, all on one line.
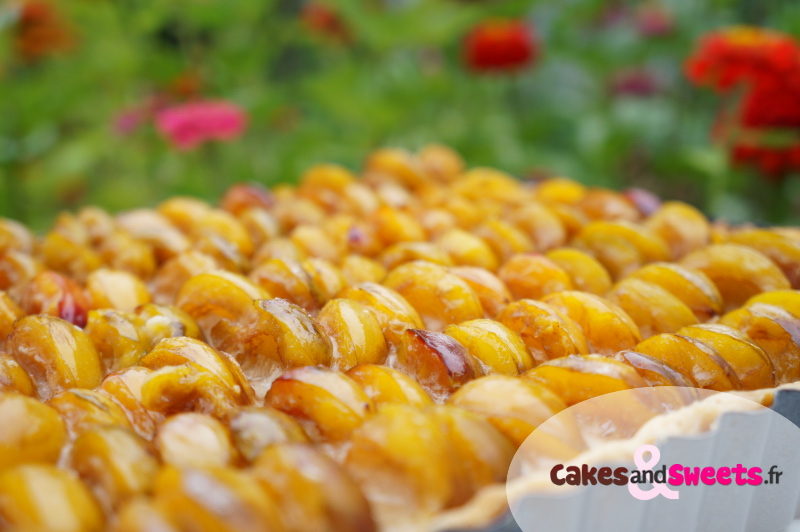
[(642, 464)]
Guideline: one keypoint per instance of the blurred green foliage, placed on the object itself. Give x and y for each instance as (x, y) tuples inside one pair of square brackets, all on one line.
[(401, 81)]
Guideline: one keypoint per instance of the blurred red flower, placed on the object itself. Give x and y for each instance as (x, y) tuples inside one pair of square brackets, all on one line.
[(189, 125), (41, 31), (767, 130), (321, 19), (760, 126), (773, 163), (500, 46), (742, 54)]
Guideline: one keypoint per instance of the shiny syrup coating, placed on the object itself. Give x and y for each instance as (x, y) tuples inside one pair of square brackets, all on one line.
[(360, 352)]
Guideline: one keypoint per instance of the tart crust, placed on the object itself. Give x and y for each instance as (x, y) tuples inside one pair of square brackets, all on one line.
[(490, 504)]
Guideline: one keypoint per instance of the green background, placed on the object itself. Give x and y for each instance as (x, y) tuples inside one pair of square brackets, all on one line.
[(400, 82)]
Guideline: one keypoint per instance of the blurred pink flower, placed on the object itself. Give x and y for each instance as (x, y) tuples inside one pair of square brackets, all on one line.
[(188, 125), (129, 120)]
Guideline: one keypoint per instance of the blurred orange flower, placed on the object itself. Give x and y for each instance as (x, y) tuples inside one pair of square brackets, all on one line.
[(500, 45), (186, 85), (41, 31), (321, 19)]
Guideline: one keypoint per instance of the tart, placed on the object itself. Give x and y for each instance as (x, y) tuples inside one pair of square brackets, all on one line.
[(360, 353)]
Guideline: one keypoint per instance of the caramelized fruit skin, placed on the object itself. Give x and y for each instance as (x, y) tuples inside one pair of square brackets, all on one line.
[(780, 249), (621, 247), (254, 429), (692, 358), (53, 294), (653, 309), (440, 297), (189, 351), (125, 388), (514, 406), (681, 226), (313, 492), (422, 467), (504, 239), (116, 289), (546, 332), (492, 293), (607, 328), (689, 285), (466, 249), (585, 272), (194, 440), (482, 454), (287, 336), (355, 333), (653, 371), (394, 313), (13, 378), (83, 410), (68, 507), (580, 377), (533, 276), (9, 313), (751, 365), (739, 272), (497, 348), (32, 431), (118, 336), (56, 354), (164, 321), (386, 385), (247, 506), (288, 280), (776, 331), (17, 268), (115, 464), (437, 361), (329, 405)]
